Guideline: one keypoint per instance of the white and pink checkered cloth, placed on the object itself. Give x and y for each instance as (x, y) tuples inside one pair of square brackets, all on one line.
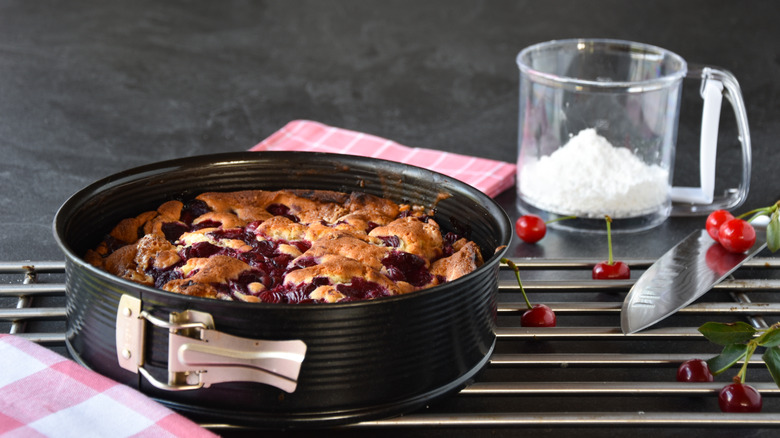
[(43, 394), (490, 176)]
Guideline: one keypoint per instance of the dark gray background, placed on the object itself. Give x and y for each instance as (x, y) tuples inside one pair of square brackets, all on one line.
[(91, 88)]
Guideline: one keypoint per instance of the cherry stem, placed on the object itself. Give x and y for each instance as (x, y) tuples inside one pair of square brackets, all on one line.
[(751, 348), (609, 239), (563, 218), (760, 212), (514, 267)]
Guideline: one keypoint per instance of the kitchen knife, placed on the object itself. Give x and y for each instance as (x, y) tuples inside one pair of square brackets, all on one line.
[(679, 277)]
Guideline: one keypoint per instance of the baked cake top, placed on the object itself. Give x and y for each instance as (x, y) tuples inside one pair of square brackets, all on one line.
[(285, 246)]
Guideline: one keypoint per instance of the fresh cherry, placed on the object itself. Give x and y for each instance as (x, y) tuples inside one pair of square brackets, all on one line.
[(530, 228), (739, 397), (539, 315), (610, 269), (694, 370), (715, 220), (737, 235)]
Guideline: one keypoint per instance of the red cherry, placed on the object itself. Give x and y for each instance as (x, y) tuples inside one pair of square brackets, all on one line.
[(614, 271), (715, 220), (738, 397), (737, 235), (694, 370), (530, 228), (610, 269), (539, 315)]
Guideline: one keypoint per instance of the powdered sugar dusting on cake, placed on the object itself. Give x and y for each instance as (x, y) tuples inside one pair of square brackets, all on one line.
[(589, 177)]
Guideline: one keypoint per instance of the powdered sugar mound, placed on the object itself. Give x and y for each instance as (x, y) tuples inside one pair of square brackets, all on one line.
[(589, 177)]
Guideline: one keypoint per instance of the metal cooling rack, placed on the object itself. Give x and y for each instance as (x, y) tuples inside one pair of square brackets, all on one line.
[(584, 372)]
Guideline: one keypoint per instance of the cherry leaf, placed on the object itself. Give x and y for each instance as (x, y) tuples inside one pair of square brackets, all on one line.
[(770, 338), (772, 360), (729, 356), (725, 334), (773, 232)]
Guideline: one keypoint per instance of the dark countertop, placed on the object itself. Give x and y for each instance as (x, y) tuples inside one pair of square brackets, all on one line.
[(91, 88)]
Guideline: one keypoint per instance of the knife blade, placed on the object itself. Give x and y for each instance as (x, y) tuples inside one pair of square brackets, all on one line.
[(679, 277)]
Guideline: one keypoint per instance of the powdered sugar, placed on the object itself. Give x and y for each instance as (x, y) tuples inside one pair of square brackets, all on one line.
[(589, 177)]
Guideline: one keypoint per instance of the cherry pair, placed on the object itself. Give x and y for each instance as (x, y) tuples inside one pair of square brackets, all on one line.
[(734, 234)]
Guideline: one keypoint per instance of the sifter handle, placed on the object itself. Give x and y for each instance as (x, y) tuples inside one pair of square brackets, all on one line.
[(702, 200)]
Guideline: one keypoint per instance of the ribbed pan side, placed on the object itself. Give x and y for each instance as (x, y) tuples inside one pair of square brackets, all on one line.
[(364, 360)]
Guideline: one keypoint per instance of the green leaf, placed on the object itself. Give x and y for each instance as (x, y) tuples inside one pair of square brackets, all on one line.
[(728, 357), (770, 338), (772, 360), (725, 334), (773, 232)]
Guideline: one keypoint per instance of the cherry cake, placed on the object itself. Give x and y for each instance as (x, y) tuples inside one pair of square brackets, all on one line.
[(286, 247)]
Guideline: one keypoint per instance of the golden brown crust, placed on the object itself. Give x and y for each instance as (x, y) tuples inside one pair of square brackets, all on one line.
[(227, 220), (364, 220), (167, 212), (122, 264), (149, 248), (416, 237), (280, 227), (208, 271), (351, 247), (365, 202), (131, 229), (248, 205), (466, 260)]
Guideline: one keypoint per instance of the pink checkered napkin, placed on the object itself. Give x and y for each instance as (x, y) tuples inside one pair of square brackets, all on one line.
[(490, 176), (43, 394)]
